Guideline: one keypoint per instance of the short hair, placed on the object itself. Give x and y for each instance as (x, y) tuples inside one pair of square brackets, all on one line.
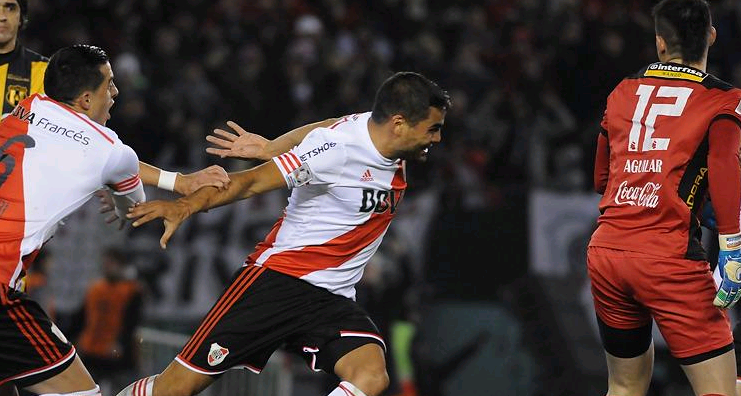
[(73, 70), (684, 25), (410, 95)]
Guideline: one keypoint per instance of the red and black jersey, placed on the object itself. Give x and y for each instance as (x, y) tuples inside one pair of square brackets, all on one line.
[(670, 134)]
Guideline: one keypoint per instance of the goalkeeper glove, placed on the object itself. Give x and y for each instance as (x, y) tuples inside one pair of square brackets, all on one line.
[(729, 265)]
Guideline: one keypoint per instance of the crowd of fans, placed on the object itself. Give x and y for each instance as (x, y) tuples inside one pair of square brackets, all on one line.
[(528, 79)]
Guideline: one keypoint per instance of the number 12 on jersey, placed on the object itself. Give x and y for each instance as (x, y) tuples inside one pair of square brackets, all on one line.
[(644, 92)]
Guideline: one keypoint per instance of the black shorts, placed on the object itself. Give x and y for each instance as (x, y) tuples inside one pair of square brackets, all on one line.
[(32, 349), (263, 310)]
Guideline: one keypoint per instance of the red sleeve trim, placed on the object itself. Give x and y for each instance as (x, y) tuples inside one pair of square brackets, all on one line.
[(127, 184)]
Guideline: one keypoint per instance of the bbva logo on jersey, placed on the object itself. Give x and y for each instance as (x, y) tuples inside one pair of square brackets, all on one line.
[(379, 201)]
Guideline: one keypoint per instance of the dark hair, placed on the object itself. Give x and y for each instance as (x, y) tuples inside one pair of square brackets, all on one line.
[(73, 70), (409, 94), (23, 4), (684, 25)]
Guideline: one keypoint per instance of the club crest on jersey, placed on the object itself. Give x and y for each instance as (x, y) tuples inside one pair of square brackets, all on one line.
[(15, 94), (217, 354)]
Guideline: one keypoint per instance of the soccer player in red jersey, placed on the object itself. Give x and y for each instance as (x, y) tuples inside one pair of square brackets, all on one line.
[(671, 136)]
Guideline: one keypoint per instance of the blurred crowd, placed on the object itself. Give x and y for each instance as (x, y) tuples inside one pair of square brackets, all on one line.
[(528, 79), (519, 71)]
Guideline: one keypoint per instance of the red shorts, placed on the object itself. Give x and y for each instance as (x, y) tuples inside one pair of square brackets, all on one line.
[(629, 289)]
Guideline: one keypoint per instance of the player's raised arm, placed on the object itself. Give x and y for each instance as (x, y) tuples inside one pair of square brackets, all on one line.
[(260, 179), (247, 145)]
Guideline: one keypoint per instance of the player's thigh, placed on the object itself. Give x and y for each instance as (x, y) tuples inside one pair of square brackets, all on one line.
[(630, 376), (363, 366), (680, 296), (75, 378), (32, 349), (624, 324), (251, 319), (335, 327), (263, 309), (716, 375)]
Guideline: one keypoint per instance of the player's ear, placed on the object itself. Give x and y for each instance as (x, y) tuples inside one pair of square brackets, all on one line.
[(398, 122), (713, 35), (660, 45), (85, 100)]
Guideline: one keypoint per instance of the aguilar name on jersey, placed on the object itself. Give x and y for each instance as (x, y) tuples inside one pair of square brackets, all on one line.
[(52, 160), (344, 195), (657, 124)]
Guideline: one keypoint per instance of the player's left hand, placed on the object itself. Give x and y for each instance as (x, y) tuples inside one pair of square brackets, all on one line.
[(107, 206), (214, 176), (242, 145), (173, 213), (729, 264)]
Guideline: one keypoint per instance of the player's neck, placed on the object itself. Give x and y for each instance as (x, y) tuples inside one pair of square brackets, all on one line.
[(379, 138), (702, 65)]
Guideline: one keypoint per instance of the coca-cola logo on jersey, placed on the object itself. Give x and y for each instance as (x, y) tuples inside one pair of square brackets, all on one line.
[(646, 195)]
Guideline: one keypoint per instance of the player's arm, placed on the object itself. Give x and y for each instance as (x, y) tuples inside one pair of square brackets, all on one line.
[(602, 157), (724, 184), (291, 169), (602, 163), (247, 145), (214, 176), (150, 175), (244, 184), (121, 177)]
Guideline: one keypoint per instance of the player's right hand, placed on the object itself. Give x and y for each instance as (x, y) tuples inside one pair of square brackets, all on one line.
[(107, 206), (729, 264), (243, 144), (172, 213)]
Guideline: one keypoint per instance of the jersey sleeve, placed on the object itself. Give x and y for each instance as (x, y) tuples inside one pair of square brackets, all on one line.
[(724, 173), (317, 160), (121, 172), (602, 163), (732, 108)]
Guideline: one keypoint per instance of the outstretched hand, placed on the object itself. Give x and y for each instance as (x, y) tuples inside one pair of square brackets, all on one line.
[(214, 176), (243, 144), (107, 206), (173, 213)]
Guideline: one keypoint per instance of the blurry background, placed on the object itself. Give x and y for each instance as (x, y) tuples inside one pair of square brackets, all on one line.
[(480, 285)]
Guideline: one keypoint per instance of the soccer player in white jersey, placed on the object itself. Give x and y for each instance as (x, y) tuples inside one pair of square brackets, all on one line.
[(55, 153), (297, 288)]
